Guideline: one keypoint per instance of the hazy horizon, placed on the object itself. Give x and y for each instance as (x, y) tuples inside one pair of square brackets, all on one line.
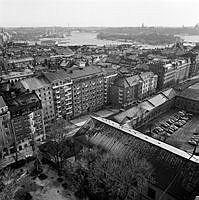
[(98, 13)]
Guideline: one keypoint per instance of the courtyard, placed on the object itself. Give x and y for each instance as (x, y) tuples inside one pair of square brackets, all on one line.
[(180, 137)]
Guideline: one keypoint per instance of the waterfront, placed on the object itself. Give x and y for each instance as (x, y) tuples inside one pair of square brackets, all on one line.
[(90, 38)]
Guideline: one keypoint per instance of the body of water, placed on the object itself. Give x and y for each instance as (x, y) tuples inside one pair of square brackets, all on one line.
[(79, 38), (190, 38), (90, 38)]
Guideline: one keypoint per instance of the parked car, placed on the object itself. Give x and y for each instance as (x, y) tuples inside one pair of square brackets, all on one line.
[(159, 128), (184, 118), (173, 118), (178, 124), (182, 121), (176, 116), (196, 133), (164, 125), (192, 142), (170, 131), (174, 127), (189, 115), (155, 131), (169, 122), (195, 137), (181, 113)]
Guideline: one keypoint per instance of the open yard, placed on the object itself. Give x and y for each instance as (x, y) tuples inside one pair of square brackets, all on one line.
[(179, 137), (49, 188)]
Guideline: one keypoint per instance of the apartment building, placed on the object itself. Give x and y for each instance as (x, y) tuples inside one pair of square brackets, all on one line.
[(88, 89), (45, 93), (125, 91), (27, 122), (6, 138), (149, 83), (61, 85), (182, 69), (109, 77), (170, 71)]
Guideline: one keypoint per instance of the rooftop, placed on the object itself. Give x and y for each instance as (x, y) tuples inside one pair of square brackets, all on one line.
[(83, 72), (166, 160), (192, 92), (34, 83), (157, 100), (60, 75)]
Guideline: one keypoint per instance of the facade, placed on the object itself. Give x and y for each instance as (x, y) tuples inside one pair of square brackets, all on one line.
[(182, 69), (109, 77), (26, 119), (149, 83), (125, 91), (44, 91), (61, 85), (6, 138), (170, 72), (88, 89)]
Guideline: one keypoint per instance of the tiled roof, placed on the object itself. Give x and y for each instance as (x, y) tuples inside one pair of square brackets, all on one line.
[(168, 161)]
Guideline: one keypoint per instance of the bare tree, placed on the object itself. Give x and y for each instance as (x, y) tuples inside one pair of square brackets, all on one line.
[(58, 145), (11, 181), (111, 177)]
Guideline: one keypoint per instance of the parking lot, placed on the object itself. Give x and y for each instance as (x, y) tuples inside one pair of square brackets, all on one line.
[(176, 127)]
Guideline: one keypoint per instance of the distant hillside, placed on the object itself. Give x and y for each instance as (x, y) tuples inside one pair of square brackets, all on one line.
[(151, 38)]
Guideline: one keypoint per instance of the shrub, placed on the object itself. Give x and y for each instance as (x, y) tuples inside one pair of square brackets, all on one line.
[(59, 179), (42, 176), (65, 185)]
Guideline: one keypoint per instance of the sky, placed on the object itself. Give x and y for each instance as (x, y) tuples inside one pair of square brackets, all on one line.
[(75, 13)]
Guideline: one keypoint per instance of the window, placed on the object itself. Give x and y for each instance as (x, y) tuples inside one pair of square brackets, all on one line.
[(151, 193), (20, 148)]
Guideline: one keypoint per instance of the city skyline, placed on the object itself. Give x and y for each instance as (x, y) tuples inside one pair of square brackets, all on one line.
[(85, 13)]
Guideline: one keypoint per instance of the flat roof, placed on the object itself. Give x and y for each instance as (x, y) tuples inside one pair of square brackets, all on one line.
[(83, 72), (34, 83)]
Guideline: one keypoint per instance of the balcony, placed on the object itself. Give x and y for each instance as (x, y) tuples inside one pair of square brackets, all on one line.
[(69, 107), (68, 93)]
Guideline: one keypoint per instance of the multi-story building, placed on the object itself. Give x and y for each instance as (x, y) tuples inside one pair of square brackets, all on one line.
[(109, 77), (44, 91), (182, 69), (6, 138), (125, 91), (61, 85), (26, 118), (88, 89), (170, 71), (149, 83)]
